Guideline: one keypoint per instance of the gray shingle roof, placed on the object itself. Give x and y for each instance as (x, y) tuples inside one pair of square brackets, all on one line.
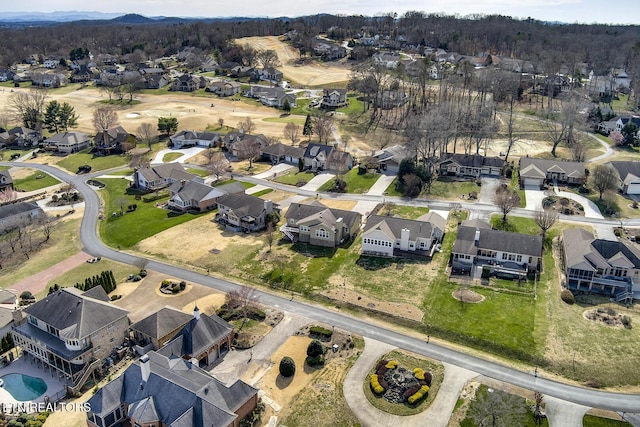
[(183, 394), (628, 171), (303, 212), (75, 315), (17, 208), (193, 190), (197, 336), (573, 169), (232, 188), (243, 204), (473, 160), (496, 240), (174, 171), (162, 322), (395, 225)]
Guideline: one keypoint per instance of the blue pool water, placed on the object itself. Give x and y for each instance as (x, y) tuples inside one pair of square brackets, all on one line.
[(23, 387)]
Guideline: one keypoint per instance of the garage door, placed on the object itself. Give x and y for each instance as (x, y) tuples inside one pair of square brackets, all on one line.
[(532, 182), (633, 189)]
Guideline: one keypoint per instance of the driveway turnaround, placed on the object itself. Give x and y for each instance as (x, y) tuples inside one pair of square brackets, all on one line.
[(438, 413), (187, 153)]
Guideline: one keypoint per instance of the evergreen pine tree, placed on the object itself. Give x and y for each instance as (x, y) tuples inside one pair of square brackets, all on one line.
[(308, 126), (113, 281)]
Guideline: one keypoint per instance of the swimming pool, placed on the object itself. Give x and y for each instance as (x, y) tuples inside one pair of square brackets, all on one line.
[(23, 387)]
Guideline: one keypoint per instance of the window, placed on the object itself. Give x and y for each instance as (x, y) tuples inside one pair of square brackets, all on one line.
[(304, 228), (322, 233), (33, 320)]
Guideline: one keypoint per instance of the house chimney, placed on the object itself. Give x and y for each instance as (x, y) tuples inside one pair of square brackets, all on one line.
[(196, 313), (404, 239), (145, 368), (476, 239), (268, 206)]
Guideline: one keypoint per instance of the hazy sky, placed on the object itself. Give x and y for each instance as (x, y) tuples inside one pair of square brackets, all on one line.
[(582, 11)]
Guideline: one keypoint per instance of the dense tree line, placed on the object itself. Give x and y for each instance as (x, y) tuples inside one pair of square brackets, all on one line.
[(105, 279), (600, 45)]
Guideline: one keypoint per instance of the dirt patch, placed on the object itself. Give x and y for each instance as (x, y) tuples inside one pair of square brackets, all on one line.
[(608, 317), (467, 295), (208, 305), (346, 205), (315, 74), (350, 296)]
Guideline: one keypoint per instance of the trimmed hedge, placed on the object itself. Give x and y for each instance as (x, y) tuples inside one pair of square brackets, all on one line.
[(375, 385), (287, 367), (428, 377), (418, 373), (567, 296), (392, 364), (315, 360), (319, 330), (419, 395)]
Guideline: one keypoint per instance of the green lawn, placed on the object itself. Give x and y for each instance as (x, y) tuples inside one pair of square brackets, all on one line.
[(124, 172), (356, 183), (127, 230), (404, 211), (6, 153), (169, 157), (35, 181), (449, 189), (515, 224), (392, 190), (514, 184), (593, 421), (97, 163), (263, 192), (229, 181), (200, 172), (355, 105), (294, 177), (78, 274)]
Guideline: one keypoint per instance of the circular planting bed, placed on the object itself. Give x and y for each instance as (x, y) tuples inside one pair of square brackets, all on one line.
[(609, 317), (170, 287), (563, 205), (467, 295), (403, 384)]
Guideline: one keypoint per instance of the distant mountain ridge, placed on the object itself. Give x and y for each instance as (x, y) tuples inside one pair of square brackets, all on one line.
[(60, 16)]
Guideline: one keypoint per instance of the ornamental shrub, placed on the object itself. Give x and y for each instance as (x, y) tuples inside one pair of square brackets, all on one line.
[(287, 367), (375, 385), (567, 296), (392, 364), (428, 377), (411, 391), (315, 348), (419, 395), (418, 373)]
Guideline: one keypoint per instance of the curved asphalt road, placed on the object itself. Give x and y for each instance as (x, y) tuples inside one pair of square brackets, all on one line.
[(579, 395)]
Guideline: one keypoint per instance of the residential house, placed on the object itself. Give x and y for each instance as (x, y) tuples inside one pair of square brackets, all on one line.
[(224, 88), (19, 214), (469, 165), (334, 98), (188, 83), (155, 178), (158, 328), (388, 99), (279, 152), (6, 75), (629, 176), (227, 66), (329, 51), (600, 266), (243, 212), (388, 60), (112, 140), (235, 187), (70, 332), (48, 80), (600, 86), (534, 172), (68, 142), (240, 71), (271, 74), (155, 80), (51, 63), (193, 195), (608, 126), (621, 79), (160, 390), (477, 246), (230, 139), (389, 158), (623, 121), (189, 138), (106, 59), (20, 137), (319, 225), (6, 181), (245, 140), (203, 340), (272, 96), (82, 74), (321, 156), (554, 85), (390, 236)]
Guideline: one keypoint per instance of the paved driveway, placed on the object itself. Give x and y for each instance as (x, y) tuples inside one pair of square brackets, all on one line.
[(534, 196), (590, 208), (381, 185), (276, 170), (317, 181), (187, 153), (488, 190)]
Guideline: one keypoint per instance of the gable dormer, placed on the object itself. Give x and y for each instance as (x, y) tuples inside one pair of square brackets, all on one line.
[(620, 260)]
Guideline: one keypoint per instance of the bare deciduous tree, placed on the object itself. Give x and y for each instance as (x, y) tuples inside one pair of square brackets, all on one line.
[(8, 195), (104, 118), (270, 234), (268, 58), (244, 300), (247, 149), (47, 228), (496, 408), (147, 134), (292, 132), (246, 125), (322, 126), (545, 219), (28, 107), (506, 199), (216, 162), (139, 161), (603, 178)]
